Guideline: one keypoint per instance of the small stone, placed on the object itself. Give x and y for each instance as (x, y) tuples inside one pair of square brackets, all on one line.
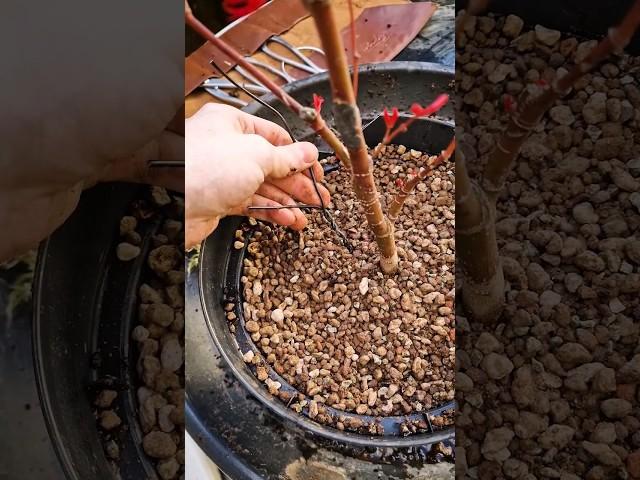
[(575, 165), (550, 299), (127, 252), (496, 441), (624, 180), (557, 436), (248, 356), (149, 294), (160, 196), (464, 383), (364, 286), (616, 306), (602, 453), (272, 386), (499, 74), (112, 450), (590, 261), (630, 371), (615, 408), (277, 315), (487, 343), (164, 418), (168, 469), (159, 445), (379, 299), (109, 420), (171, 356), (377, 333), (572, 355), (632, 250), (584, 213), (562, 114), (164, 258), (512, 26), (605, 432), (486, 24), (584, 49), (497, 366), (262, 373), (604, 381), (160, 314), (105, 398), (395, 293), (238, 245), (252, 326), (547, 36), (595, 110), (127, 224)]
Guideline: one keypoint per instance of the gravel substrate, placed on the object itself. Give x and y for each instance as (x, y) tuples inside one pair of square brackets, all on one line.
[(332, 325), (158, 339), (551, 391)]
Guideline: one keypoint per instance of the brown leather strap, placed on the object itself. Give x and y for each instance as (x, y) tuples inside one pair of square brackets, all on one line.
[(382, 33), (246, 36)]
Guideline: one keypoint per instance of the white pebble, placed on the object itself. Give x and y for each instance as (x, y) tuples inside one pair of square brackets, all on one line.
[(364, 286)]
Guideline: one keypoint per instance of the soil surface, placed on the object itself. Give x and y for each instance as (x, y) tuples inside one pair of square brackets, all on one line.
[(551, 390), (332, 325)]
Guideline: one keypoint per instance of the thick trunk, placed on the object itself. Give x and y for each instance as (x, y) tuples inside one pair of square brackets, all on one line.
[(477, 250), (349, 125)]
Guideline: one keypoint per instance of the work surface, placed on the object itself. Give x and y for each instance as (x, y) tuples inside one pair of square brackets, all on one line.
[(435, 43)]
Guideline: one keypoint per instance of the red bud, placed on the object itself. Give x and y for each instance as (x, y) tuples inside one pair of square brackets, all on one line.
[(317, 102), (390, 119)]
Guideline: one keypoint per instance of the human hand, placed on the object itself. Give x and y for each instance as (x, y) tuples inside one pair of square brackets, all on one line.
[(103, 113), (234, 161)]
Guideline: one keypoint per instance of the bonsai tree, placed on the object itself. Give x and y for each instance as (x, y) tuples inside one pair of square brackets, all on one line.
[(483, 288), (348, 143)]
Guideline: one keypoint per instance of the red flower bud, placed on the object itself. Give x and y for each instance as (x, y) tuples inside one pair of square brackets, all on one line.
[(317, 102), (509, 103), (390, 119), (436, 105)]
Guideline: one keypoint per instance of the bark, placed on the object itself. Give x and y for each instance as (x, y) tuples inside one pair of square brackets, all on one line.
[(349, 125), (477, 250)]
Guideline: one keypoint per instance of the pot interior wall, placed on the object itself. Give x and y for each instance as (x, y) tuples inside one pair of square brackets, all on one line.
[(84, 305)]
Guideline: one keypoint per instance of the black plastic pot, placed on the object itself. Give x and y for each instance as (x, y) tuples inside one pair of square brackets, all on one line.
[(210, 344), (84, 307)]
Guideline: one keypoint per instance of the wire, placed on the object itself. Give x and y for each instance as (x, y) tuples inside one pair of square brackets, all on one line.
[(324, 211), (256, 98)]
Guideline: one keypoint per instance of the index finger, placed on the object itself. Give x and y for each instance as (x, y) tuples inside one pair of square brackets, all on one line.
[(273, 133)]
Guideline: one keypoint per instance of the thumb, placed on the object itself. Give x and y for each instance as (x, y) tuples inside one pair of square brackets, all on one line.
[(289, 159)]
